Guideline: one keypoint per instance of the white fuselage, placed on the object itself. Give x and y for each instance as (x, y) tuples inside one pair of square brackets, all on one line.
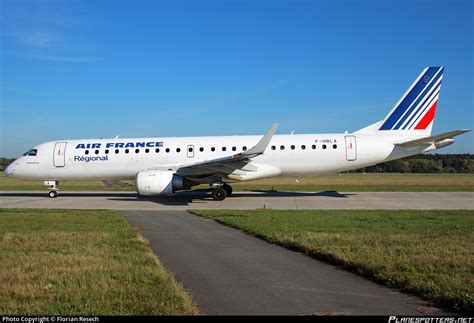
[(161, 166), (123, 158)]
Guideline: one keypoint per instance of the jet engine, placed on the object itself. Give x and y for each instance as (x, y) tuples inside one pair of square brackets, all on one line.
[(157, 182)]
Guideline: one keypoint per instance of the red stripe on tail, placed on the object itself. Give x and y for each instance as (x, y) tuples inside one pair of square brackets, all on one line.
[(429, 116)]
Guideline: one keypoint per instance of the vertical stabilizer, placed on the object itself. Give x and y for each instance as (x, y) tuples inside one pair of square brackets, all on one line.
[(415, 111)]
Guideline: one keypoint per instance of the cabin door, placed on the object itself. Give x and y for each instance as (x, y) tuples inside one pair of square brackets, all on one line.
[(59, 158), (351, 148)]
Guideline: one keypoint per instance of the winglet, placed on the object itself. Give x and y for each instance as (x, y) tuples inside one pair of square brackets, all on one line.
[(259, 148)]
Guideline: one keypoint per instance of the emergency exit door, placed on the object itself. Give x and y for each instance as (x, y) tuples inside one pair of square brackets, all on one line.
[(351, 148), (59, 158)]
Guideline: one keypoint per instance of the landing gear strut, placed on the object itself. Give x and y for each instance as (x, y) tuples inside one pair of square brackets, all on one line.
[(53, 190), (219, 193)]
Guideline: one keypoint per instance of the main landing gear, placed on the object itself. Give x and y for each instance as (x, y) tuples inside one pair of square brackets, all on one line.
[(220, 192), (53, 190)]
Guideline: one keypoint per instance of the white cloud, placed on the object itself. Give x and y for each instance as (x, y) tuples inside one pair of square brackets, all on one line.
[(44, 32), (36, 39)]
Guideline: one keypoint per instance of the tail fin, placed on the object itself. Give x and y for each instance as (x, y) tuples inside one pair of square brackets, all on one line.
[(414, 112)]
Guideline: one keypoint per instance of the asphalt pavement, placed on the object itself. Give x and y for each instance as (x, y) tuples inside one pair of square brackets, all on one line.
[(229, 272), (242, 200)]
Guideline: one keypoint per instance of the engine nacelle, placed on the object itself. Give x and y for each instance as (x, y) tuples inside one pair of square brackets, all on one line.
[(157, 182)]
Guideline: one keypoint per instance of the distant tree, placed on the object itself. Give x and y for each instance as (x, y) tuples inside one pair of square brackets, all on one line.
[(6, 161), (428, 163), (426, 166)]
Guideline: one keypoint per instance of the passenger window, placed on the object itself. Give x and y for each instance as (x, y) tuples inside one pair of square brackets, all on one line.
[(116, 151), (244, 148), (303, 147), (282, 147), (224, 148), (201, 149), (126, 151), (178, 150), (273, 147), (147, 150), (334, 146), (86, 152), (97, 152), (292, 147), (167, 150), (106, 151), (157, 150), (213, 148), (313, 147), (234, 148), (137, 151), (324, 146), (190, 149)]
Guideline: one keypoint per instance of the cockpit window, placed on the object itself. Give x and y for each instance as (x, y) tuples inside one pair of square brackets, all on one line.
[(31, 152)]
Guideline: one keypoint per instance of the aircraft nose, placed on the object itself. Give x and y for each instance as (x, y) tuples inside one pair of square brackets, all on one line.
[(9, 170)]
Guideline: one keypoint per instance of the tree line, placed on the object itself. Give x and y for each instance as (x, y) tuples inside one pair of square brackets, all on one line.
[(429, 163), (4, 162)]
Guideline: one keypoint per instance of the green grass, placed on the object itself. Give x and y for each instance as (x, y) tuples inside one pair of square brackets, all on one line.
[(11, 184), (366, 183), (81, 262), (335, 182), (428, 253)]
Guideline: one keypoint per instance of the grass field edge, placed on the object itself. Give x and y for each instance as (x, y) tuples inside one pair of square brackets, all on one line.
[(190, 303), (187, 304), (365, 272)]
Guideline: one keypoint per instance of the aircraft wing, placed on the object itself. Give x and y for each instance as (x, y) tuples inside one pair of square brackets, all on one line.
[(226, 164), (432, 139)]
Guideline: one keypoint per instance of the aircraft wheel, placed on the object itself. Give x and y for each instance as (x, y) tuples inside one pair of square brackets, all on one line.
[(53, 194), (219, 194), (228, 189)]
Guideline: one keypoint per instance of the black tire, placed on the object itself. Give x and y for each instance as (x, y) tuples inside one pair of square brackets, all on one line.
[(219, 194), (228, 189), (52, 194)]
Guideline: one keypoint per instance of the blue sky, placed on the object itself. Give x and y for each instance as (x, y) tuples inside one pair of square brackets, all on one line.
[(91, 69)]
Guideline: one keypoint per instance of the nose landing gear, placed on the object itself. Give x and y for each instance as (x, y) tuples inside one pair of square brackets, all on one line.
[(53, 190), (219, 193)]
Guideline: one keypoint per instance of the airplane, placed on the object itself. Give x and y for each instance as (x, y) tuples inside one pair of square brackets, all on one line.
[(162, 166)]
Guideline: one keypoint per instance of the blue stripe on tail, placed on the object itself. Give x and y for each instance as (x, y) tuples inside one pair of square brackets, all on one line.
[(421, 97), (422, 105), (397, 114)]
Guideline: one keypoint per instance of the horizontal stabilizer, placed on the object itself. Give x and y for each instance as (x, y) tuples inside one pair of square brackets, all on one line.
[(432, 139)]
